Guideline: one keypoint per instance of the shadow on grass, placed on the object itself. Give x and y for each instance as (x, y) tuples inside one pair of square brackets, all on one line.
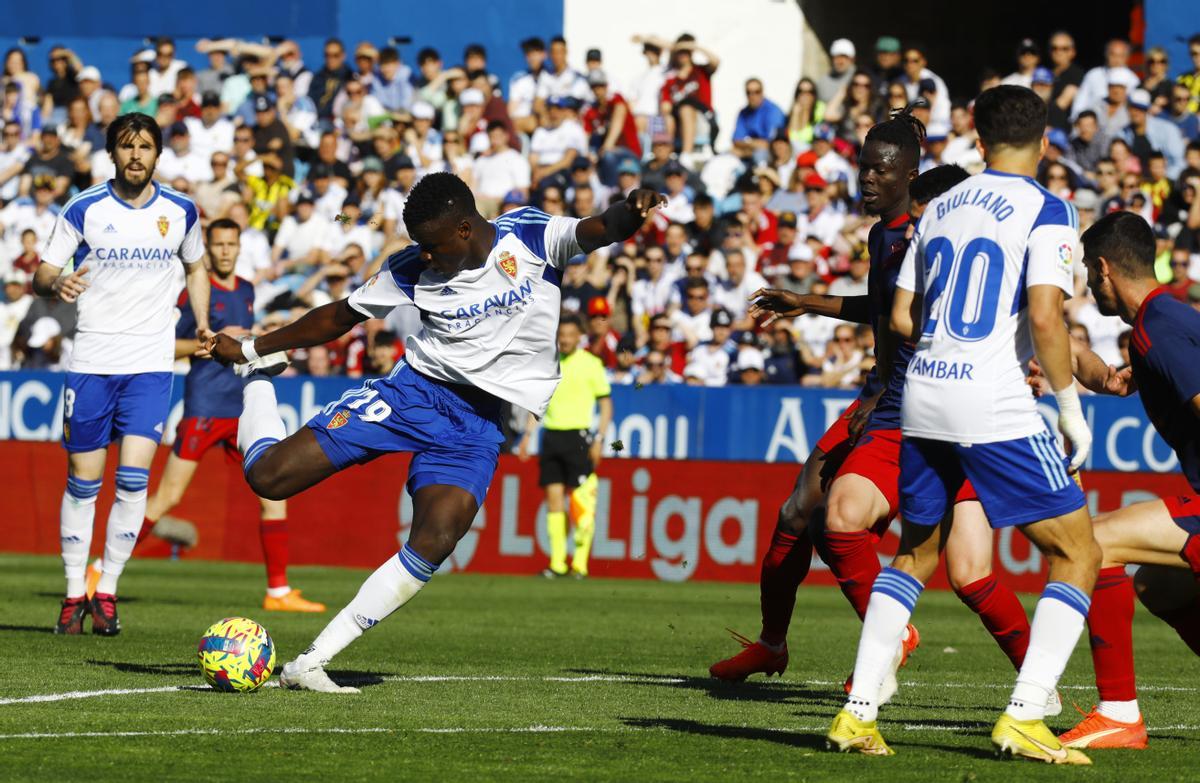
[(789, 738), (169, 669), (27, 628), (356, 678), (770, 692)]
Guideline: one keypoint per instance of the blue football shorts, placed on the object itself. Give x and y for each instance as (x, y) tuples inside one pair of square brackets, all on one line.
[(1017, 481), (98, 409), (453, 431)]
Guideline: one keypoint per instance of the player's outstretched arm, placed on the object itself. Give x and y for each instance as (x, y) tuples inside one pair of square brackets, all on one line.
[(619, 222), (778, 303), (1098, 375), (316, 327), (1052, 345)]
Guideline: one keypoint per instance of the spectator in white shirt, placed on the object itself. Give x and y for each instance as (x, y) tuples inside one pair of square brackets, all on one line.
[(854, 283), (915, 75), (13, 155), (559, 80), (555, 145), (254, 255), (733, 291), (709, 361), (523, 87), (210, 132), (647, 91), (180, 160), (821, 220), (302, 242), (691, 324), (678, 208), (499, 171), (651, 294), (1094, 87), (1028, 57), (164, 67)]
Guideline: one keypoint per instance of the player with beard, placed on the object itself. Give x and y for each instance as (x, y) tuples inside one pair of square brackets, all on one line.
[(124, 238)]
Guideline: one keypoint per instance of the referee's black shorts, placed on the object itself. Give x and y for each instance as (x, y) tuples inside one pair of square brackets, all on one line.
[(565, 457)]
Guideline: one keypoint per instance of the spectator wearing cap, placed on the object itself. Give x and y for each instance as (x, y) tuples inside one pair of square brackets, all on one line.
[(50, 162), (472, 128), (629, 177), (45, 348), (327, 191), (916, 74), (757, 122), (423, 142), (522, 87), (801, 276), (555, 145), (1094, 86), (1191, 79), (499, 171), (270, 191), (1178, 113), (391, 83), (210, 132), (750, 367), (17, 299), (854, 283), (841, 56), (1029, 56), (888, 62), (1113, 112), (686, 101), (1148, 133), (558, 80), (1067, 78), (611, 127), (647, 87), (91, 88), (821, 220), (1041, 81), (180, 160), (602, 339), (830, 165), (139, 98), (678, 208), (271, 135), (290, 61), (934, 148), (709, 361), (328, 81), (732, 291)]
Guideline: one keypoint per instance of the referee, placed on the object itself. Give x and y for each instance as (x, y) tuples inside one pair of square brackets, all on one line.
[(570, 452)]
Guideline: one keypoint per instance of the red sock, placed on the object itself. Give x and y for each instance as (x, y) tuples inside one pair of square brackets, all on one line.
[(852, 559), (1001, 613), (275, 550), (784, 567), (1110, 629), (147, 526)]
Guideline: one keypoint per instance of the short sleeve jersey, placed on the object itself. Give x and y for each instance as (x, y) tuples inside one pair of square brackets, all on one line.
[(1164, 349), (574, 402), (133, 260), (211, 389), (493, 327), (977, 250)]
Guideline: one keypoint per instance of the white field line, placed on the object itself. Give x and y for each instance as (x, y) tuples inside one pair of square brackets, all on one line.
[(588, 678)]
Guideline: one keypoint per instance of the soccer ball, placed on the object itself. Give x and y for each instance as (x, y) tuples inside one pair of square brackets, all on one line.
[(236, 654)]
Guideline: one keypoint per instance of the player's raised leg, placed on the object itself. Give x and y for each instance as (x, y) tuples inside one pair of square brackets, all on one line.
[(85, 471)]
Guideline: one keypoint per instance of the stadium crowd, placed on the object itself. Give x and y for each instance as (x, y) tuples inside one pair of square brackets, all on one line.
[(314, 163)]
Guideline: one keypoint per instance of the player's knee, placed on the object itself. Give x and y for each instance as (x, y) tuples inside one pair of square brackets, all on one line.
[(845, 514), (267, 480), (1163, 589), (791, 519), (961, 572)]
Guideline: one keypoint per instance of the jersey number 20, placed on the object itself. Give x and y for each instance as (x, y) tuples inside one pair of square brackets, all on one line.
[(969, 310)]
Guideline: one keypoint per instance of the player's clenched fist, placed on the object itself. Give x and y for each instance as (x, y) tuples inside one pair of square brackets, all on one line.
[(69, 287), (225, 349), (644, 200)]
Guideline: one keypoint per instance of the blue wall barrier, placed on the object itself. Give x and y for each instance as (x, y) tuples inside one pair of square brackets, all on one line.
[(761, 424)]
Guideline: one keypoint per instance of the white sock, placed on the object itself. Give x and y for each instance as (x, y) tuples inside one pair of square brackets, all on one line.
[(1123, 711), (892, 600), (75, 531), (279, 592), (124, 524), (259, 426), (391, 586), (1057, 623)]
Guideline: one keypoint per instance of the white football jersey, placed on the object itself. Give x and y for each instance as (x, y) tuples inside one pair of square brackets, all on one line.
[(495, 327), (127, 315), (977, 250)]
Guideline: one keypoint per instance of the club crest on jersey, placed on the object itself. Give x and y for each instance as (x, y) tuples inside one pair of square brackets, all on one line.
[(164, 225), (508, 264), (339, 420)]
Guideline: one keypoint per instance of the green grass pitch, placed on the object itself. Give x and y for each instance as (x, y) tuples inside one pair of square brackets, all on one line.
[(507, 678)]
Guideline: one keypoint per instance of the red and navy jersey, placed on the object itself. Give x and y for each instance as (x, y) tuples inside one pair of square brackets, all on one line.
[(1165, 357), (887, 244), (210, 389)]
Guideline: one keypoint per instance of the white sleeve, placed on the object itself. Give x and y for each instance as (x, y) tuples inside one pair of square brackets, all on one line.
[(1052, 257), (191, 249), (378, 296), (560, 240), (521, 172), (286, 229), (63, 242), (907, 278)]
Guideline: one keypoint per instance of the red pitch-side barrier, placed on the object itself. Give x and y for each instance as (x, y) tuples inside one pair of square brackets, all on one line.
[(669, 520)]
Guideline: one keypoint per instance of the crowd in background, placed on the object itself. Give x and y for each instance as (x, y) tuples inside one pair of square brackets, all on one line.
[(314, 163)]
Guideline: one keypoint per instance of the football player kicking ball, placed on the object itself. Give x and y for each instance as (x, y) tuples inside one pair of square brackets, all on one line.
[(1118, 252), (990, 263), (489, 298), (126, 238), (212, 402), (863, 498)]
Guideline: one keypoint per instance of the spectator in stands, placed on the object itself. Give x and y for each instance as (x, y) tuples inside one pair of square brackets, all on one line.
[(555, 145), (919, 80), (854, 283), (1112, 113), (523, 86), (17, 299), (710, 360), (291, 64), (1094, 87), (270, 191), (656, 370), (660, 339), (805, 113), (1191, 79), (687, 97), (1180, 282), (271, 135), (1158, 81), (1147, 133), (499, 171), (859, 98), (1088, 145), (602, 339), (297, 113), (843, 360), (164, 68), (1067, 78), (611, 127), (558, 80), (141, 99), (757, 122), (16, 71), (888, 62), (732, 292), (63, 86), (626, 372), (1177, 112), (1028, 58), (782, 360), (841, 55), (330, 79), (750, 364), (51, 162), (181, 160)]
